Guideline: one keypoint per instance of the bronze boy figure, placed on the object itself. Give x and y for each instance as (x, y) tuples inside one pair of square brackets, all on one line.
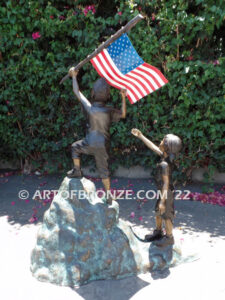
[(100, 117), (169, 146)]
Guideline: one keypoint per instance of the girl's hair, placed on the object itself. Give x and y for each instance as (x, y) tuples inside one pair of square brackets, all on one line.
[(172, 144), (101, 90)]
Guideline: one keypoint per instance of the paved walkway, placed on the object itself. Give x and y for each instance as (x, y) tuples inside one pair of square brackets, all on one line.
[(200, 228)]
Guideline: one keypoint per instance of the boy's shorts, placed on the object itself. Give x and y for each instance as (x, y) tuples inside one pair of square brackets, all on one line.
[(100, 154)]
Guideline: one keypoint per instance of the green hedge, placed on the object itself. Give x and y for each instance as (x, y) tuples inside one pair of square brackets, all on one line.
[(40, 119)]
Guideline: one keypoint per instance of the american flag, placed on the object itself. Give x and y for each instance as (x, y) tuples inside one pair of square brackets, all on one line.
[(122, 67)]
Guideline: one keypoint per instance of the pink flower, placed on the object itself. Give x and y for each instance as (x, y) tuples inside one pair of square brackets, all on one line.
[(140, 218), (33, 219), (62, 18), (7, 102), (153, 17), (120, 13), (216, 62), (190, 57), (132, 214), (89, 8), (214, 198), (51, 17), (36, 35), (13, 203)]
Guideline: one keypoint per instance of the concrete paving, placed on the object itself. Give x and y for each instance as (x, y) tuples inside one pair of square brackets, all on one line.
[(199, 228)]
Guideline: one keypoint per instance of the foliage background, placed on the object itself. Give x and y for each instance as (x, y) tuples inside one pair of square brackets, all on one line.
[(40, 119)]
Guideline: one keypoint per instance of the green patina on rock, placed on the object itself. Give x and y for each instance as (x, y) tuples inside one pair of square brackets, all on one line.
[(82, 240)]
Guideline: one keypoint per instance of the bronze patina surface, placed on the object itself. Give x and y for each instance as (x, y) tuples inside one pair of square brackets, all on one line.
[(168, 148), (99, 119)]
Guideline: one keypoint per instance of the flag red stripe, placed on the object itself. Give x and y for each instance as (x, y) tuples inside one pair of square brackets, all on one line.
[(96, 68), (109, 81), (157, 71), (113, 78), (140, 82), (99, 72), (150, 72), (150, 75), (144, 78), (127, 86), (122, 77)]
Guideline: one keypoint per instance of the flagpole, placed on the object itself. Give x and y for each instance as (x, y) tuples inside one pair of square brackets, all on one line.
[(105, 44)]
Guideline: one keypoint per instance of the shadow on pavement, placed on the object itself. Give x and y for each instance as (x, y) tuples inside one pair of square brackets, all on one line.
[(122, 289), (196, 216)]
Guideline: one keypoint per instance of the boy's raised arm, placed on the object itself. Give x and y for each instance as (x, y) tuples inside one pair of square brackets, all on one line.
[(148, 143), (87, 105)]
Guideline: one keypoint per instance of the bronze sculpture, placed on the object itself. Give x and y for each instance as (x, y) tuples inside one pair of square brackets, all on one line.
[(97, 140), (168, 148)]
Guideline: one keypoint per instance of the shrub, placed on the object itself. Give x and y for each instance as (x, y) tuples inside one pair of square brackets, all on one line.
[(41, 39)]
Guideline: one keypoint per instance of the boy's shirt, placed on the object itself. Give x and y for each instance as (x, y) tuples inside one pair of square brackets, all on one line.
[(99, 119)]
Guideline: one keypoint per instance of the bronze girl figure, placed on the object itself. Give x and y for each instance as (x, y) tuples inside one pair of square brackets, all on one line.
[(168, 148)]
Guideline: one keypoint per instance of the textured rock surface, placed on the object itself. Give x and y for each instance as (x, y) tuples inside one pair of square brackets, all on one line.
[(82, 240)]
